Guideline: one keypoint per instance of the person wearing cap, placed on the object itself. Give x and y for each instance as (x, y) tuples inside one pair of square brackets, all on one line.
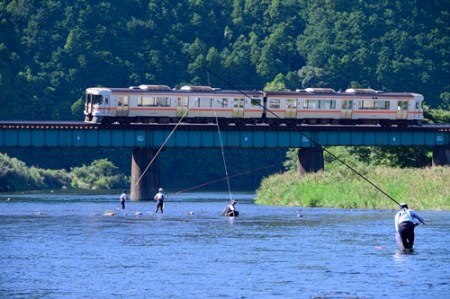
[(405, 222), (123, 198), (159, 197), (231, 210)]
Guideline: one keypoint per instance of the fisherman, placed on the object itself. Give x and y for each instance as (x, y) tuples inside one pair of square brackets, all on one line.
[(123, 197), (231, 210), (404, 225), (159, 197)]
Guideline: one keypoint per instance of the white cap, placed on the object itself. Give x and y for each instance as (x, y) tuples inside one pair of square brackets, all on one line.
[(161, 190)]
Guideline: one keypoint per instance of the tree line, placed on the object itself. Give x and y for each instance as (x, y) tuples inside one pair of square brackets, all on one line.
[(51, 51)]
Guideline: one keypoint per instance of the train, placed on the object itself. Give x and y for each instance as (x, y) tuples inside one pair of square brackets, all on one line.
[(160, 104)]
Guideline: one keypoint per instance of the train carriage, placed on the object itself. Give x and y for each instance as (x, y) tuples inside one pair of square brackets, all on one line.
[(203, 104)]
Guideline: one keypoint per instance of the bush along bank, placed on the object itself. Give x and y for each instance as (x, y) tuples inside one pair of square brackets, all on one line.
[(424, 188), (101, 174)]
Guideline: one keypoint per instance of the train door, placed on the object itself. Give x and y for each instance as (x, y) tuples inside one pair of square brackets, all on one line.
[(122, 106), (402, 109), (238, 108), (182, 106), (291, 108), (347, 107), (106, 105)]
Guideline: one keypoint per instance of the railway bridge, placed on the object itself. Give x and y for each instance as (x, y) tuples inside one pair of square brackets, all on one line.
[(146, 140)]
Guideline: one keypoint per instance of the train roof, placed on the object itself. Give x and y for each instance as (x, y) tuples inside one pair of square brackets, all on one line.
[(186, 90)]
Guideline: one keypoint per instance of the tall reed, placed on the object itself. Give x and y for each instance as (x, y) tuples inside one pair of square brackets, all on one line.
[(424, 189)]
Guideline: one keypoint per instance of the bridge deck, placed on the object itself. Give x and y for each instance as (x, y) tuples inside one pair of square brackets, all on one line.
[(79, 134)]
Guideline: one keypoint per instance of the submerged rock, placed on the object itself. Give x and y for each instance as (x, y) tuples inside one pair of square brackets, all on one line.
[(109, 213)]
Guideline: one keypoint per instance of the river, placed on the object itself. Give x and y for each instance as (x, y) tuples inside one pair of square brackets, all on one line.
[(63, 246)]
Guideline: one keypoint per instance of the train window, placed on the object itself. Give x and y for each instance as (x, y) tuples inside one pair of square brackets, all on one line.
[(256, 102), (219, 103), (204, 102), (374, 105), (153, 101), (327, 104), (311, 104), (122, 101), (274, 104), (402, 105), (182, 102), (146, 101), (106, 100), (382, 105), (163, 101), (96, 99), (291, 103), (238, 103), (347, 104), (319, 104)]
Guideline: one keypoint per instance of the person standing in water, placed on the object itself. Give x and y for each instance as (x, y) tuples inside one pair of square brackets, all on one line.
[(123, 198), (404, 225), (159, 197), (231, 210)]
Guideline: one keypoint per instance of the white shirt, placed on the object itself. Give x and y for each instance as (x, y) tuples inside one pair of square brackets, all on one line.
[(406, 215)]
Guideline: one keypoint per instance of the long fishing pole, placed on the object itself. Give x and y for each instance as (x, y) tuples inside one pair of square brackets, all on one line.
[(223, 156), (164, 143), (303, 134)]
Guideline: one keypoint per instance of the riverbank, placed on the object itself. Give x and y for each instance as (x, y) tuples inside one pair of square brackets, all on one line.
[(422, 189)]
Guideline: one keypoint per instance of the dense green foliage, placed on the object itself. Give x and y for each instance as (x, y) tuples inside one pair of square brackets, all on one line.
[(16, 176), (425, 188), (99, 175), (50, 51)]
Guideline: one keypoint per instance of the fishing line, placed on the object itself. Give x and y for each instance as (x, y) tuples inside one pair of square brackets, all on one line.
[(223, 155), (165, 141), (224, 178), (303, 134)]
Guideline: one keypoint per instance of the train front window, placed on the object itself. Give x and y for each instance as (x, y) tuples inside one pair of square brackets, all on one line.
[(94, 99)]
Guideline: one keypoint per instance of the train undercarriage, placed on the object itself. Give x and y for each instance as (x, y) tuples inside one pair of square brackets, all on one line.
[(251, 121)]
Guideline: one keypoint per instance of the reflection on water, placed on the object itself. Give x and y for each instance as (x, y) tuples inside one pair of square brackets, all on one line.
[(64, 246)]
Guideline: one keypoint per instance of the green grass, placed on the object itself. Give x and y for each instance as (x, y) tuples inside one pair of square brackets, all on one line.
[(424, 189)]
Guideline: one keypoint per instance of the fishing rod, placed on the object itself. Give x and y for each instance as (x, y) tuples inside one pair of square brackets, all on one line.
[(164, 143), (304, 135)]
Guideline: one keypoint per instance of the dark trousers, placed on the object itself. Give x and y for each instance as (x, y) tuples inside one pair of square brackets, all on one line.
[(159, 205), (406, 231), (123, 204)]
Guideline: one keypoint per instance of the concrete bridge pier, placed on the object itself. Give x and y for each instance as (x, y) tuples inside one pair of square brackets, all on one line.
[(310, 159), (144, 185), (441, 156)]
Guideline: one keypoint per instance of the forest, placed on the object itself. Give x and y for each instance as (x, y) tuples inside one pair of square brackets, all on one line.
[(52, 50)]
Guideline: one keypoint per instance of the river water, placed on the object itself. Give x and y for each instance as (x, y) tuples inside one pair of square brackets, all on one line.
[(63, 246)]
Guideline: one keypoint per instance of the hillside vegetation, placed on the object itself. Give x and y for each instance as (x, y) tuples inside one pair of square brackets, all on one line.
[(51, 51)]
